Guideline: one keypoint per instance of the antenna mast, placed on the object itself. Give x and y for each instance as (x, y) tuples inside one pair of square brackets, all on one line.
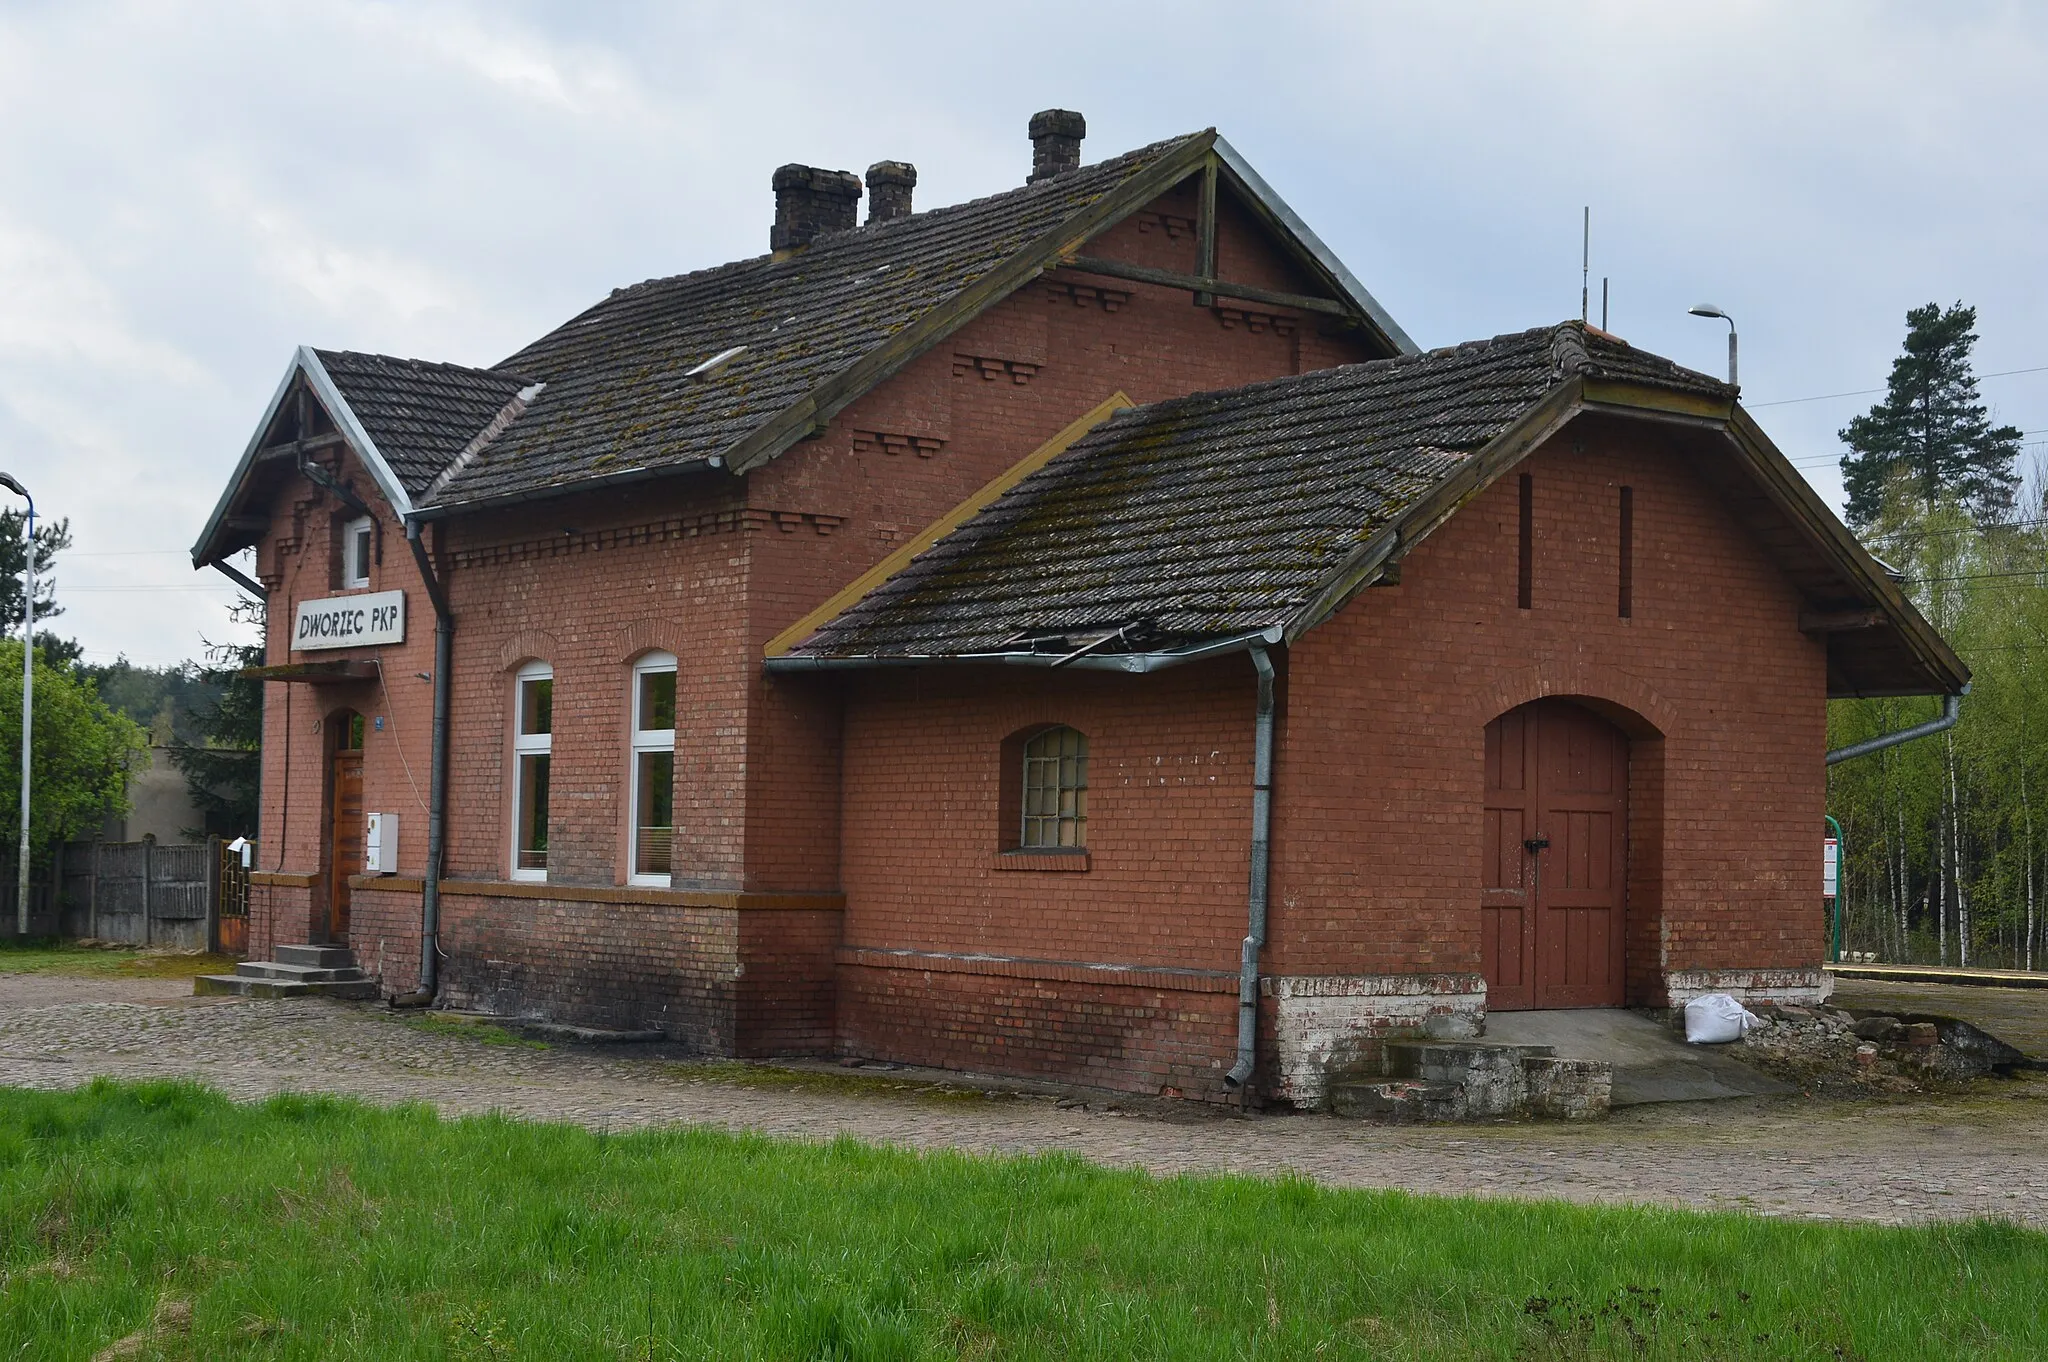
[(1586, 267)]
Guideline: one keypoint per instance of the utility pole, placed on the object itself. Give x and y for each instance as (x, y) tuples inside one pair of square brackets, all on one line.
[(28, 688)]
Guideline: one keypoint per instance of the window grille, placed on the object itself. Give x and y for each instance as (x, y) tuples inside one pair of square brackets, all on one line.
[(1056, 790)]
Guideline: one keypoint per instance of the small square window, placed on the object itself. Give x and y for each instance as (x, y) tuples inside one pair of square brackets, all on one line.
[(358, 544)]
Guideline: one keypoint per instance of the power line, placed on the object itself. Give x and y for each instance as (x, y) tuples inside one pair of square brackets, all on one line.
[(1866, 392)]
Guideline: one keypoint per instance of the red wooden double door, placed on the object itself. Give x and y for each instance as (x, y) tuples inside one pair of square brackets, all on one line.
[(1554, 895)]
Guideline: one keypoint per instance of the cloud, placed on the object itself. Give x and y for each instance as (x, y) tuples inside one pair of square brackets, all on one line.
[(190, 190)]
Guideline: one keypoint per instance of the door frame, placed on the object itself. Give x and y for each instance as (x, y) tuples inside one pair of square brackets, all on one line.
[(1635, 735), (340, 727)]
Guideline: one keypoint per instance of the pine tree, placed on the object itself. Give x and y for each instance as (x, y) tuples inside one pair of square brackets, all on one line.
[(52, 538), (1931, 428)]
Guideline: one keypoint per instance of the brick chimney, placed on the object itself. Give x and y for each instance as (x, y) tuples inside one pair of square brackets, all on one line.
[(1055, 143), (889, 186), (810, 202)]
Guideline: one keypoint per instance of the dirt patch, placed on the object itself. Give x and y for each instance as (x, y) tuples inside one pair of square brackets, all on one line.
[(1831, 1051)]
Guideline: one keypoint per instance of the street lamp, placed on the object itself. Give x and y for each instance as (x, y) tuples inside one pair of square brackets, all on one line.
[(28, 684), (1709, 310)]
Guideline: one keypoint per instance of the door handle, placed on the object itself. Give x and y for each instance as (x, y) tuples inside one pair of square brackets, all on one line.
[(1535, 844)]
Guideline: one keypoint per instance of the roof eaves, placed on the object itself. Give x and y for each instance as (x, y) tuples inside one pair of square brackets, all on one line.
[(826, 400), (1128, 663), (1255, 185), (202, 548), (1793, 494)]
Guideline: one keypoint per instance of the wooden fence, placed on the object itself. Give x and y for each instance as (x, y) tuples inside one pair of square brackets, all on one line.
[(184, 896)]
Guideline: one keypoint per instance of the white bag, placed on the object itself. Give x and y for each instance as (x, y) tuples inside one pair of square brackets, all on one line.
[(1716, 1019)]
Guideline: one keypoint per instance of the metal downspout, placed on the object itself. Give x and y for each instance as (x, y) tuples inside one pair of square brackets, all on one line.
[(1951, 709), (437, 780), (1255, 930)]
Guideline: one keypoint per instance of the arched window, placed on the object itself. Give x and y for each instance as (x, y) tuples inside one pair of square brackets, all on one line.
[(652, 820), (533, 745), (1055, 791)]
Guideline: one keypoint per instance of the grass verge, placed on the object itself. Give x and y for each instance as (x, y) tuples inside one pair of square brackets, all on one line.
[(42, 956), (168, 1222)]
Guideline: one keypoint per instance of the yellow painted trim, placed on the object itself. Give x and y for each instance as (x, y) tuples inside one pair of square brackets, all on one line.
[(952, 520), (1642, 395)]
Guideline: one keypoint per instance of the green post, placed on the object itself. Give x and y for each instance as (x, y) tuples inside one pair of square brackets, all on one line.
[(1835, 902)]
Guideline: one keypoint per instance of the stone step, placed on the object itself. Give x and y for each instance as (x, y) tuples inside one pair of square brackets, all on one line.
[(298, 974), (245, 986), (1399, 1101), (318, 957)]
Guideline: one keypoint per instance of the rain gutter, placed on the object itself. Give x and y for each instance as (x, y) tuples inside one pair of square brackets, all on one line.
[(1951, 710), (1133, 663), (437, 780), (1255, 927)]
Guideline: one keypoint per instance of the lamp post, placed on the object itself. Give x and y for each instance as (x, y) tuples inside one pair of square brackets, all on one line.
[(28, 685), (1709, 310)]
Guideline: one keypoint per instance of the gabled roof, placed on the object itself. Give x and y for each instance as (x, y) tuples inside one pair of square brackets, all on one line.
[(1172, 529), (819, 326)]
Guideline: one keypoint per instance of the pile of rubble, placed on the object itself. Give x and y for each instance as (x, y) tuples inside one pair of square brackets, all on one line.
[(1832, 1050)]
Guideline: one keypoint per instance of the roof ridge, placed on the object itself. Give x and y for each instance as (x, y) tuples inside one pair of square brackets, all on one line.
[(874, 231)]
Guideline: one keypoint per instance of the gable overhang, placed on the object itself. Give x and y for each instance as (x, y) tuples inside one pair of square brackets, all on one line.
[(1888, 648), (1319, 257), (220, 540)]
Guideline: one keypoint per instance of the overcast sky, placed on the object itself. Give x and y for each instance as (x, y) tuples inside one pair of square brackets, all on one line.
[(188, 191)]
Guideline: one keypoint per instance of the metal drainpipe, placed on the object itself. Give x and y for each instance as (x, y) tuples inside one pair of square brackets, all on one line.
[(1255, 932), (1951, 709), (437, 781)]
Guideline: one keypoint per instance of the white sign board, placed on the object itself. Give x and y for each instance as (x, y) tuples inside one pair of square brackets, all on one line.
[(1831, 872), (350, 621)]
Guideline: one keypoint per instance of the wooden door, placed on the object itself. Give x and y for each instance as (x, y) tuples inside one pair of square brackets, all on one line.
[(1554, 898), (345, 846)]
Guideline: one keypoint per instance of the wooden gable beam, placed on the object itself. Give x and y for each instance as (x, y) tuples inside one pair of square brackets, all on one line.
[(1207, 288)]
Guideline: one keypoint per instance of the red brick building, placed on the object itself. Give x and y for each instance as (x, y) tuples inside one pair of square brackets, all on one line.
[(1071, 633)]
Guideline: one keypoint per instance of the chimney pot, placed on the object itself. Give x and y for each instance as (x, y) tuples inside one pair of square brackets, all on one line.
[(889, 186), (1055, 143), (810, 202)]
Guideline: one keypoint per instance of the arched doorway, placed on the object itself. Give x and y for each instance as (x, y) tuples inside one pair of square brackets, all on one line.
[(344, 817), (1554, 894)]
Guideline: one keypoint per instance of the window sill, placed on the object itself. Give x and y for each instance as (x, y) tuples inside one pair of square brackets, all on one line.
[(1039, 860)]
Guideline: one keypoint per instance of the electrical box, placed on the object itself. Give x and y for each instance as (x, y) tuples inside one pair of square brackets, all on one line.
[(380, 844)]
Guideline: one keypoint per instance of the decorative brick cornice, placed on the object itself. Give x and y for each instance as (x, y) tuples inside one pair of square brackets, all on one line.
[(736, 519)]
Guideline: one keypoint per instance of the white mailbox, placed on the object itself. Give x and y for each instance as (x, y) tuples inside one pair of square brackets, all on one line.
[(380, 844)]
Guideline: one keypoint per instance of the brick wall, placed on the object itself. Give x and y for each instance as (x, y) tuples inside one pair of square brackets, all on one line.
[(1376, 856), (1376, 848)]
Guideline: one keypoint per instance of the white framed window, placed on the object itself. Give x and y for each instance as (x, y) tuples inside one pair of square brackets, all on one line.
[(652, 819), (1055, 799), (533, 742), (358, 543)]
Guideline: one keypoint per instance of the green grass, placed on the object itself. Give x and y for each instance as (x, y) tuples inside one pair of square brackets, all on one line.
[(45, 956), (317, 1228)]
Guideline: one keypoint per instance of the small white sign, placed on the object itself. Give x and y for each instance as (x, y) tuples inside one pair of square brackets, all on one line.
[(1831, 872), (350, 621)]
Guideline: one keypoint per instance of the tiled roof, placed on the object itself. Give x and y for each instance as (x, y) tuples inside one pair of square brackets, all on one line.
[(1218, 514), (421, 415), (616, 396)]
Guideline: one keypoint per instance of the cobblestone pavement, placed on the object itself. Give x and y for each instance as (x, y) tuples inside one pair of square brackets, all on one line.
[(1979, 1153)]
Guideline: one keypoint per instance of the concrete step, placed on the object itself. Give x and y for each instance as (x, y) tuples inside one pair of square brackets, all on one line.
[(318, 957), (298, 974), (245, 986)]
